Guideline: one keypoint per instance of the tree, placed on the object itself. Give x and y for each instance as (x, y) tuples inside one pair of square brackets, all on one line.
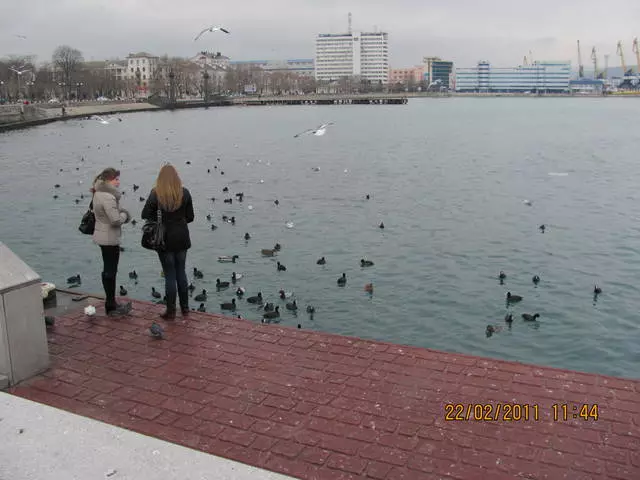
[(67, 61)]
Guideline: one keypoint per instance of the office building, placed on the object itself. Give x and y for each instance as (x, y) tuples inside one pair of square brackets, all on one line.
[(437, 71)]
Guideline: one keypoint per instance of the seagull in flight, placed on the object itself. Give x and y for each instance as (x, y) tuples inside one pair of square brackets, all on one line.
[(24, 37), (211, 29), (100, 119), (19, 72), (318, 131)]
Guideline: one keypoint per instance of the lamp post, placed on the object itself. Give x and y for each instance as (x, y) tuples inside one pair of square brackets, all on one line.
[(205, 85), (78, 85), (62, 86), (29, 86)]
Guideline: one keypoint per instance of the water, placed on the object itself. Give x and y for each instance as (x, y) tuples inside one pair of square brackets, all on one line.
[(447, 176)]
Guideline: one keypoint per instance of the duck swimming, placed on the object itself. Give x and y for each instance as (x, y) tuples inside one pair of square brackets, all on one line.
[(155, 293), (273, 314), (227, 258), (201, 297), (268, 252), (292, 306), (321, 261), (508, 318), (311, 309), (240, 291), (536, 279), (202, 308), (235, 277), (197, 273), (596, 289), (342, 280), (502, 275), (256, 299), (123, 291), (284, 294), (281, 268), (530, 318), (229, 305), (513, 298), (269, 307), (366, 263), (74, 279), (220, 285), (133, 275), (247, 236)]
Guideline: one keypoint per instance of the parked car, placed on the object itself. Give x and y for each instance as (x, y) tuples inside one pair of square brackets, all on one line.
[(103, 99), (54, 100)]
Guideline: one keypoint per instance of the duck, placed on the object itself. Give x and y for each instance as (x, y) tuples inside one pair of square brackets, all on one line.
[(502, 275), (284, 294), (366, 263), (123, 291), (281, 268), (491, 329), (247, 236), (202, 308), (536, 279), (530, 318), (273, 314), (342, 280), (513, 298), (367, 196), (201, 297), (225, 189), (269, 307), (321, 261), (134, 222), (276, 202), (197, 273), (133, 275), (277, 247), (268, 252), (596, 289), (209, 216), (311, 309), (381, 225), (240, 291), (542, 228), (228, 258), (74, 279), (220, 285), (135, 187), (142, 199), (508, 318), (292, 305), (255, 299), (213, 227), (235, 277), (229, 305), (155, 293)]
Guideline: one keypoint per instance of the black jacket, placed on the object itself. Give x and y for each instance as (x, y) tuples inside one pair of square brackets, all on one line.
[(177, 231)]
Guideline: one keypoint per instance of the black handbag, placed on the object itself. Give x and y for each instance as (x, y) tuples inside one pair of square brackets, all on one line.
[(88, 222), (153, 233)]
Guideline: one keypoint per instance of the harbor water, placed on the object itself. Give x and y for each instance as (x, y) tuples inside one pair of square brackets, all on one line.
[(448, 177)]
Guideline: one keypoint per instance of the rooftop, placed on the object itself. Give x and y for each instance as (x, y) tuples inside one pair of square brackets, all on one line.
[(323, 406)]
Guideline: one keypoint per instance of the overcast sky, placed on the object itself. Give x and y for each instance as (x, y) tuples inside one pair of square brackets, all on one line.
[(465, 31)]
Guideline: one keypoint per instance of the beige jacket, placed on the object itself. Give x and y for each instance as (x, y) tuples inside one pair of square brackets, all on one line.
[(109, 215)]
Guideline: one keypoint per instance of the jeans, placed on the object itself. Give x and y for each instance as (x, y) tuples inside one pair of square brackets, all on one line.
[(110, 259), (175, 274)]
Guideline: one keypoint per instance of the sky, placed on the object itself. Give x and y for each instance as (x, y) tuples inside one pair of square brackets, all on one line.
[(464, 31)]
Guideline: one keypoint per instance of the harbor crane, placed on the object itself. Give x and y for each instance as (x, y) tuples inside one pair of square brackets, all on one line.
[(594, 57), (580, 66), (637, 52), (621, 53)]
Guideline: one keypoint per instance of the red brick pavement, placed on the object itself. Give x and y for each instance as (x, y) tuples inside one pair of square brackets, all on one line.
[(319, 406)]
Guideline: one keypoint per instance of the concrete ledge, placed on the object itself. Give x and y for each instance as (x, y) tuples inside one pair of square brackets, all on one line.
[(42, 442)]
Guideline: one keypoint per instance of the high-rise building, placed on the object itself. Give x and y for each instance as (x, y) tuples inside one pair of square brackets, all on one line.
[(539, 77), (363, 54)]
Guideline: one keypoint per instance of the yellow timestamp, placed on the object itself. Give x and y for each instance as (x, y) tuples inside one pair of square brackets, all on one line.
[(491, 412), (561, 412)]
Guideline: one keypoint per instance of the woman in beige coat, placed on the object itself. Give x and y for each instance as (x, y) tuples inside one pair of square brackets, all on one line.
[(109, 220)]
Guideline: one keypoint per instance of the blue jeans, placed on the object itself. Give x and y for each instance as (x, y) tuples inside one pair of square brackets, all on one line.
[(173, 265)]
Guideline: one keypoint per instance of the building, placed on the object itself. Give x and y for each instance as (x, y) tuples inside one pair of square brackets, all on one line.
[(363, 54), (404, 76), (298, 66), (437, 71), (116, 70), (141, 68), (540, 77), (211, 60), (586, 86)]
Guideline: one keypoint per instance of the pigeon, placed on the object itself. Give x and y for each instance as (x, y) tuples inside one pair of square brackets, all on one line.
[(156, 330)]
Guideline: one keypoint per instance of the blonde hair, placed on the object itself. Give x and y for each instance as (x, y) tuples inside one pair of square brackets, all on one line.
[(169, 188)]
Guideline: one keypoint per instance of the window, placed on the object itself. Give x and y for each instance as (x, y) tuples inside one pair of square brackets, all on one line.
[(144, 77)]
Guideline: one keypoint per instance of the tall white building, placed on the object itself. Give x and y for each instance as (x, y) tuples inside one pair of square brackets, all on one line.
[(141, 67), (365, 54)]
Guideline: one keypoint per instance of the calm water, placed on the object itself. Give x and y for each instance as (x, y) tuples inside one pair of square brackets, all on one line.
[(447, 176)]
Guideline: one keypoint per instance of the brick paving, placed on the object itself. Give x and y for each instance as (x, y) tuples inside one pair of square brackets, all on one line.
[(320, 406)]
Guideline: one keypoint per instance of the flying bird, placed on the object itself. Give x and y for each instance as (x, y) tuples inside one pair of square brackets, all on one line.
[(211, 29), (318, 131), (20, 36), (19, 72)]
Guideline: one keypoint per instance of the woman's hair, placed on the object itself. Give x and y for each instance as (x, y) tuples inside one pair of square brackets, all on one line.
[(106, 175), (169, 188)]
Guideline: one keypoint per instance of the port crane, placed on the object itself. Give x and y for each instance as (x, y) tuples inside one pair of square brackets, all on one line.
[(637, 52), (621, 53), (594, 57), (580, 66)]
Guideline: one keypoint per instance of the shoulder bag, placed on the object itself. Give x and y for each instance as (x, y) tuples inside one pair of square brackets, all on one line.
[(88, 222), (153, 233)]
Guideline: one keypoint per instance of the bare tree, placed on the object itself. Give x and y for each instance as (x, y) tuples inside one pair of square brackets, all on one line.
[(67, 61)]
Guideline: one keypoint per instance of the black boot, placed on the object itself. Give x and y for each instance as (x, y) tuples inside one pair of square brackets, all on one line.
[(170, 312), (111, 307), (183, 295)]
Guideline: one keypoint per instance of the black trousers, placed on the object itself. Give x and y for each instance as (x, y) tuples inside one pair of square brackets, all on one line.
[(110, 259)]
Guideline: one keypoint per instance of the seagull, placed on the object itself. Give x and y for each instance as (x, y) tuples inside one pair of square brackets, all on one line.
[(100, 119), (211, 29), (20, 36), (19, 72), (318, 132)]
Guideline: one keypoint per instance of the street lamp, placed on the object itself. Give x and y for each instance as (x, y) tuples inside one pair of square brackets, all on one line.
[(78, 85), (62, 85)]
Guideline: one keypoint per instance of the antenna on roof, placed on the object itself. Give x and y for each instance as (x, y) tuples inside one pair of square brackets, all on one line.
[(349, 22)]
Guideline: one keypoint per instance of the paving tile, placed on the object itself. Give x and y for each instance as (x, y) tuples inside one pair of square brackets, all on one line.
[(321, 406)]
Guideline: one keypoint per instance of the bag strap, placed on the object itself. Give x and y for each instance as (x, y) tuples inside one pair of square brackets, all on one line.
[(91, 203)]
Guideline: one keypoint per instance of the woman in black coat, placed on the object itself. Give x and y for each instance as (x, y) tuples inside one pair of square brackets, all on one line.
[(176, 206)]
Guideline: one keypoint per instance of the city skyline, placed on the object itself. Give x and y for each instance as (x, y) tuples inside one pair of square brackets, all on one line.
[(464, 33)]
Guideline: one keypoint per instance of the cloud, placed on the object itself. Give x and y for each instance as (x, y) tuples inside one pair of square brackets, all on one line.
[(465, 31)]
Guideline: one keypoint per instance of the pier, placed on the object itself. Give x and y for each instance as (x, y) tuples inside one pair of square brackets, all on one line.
[(314, 405), (368, 99)]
